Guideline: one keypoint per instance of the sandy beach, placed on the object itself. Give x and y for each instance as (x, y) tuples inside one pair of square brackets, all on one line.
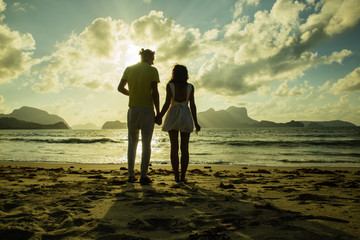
[(84, 201)]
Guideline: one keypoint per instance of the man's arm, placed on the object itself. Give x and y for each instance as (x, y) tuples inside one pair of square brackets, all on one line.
[(155, 96), (121, 87)]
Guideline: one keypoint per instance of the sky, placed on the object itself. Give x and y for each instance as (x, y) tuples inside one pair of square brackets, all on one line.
[(282, 60)]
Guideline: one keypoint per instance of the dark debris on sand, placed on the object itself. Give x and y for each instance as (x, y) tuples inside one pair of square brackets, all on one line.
[(215, 233), (315, 171), (197, 172)]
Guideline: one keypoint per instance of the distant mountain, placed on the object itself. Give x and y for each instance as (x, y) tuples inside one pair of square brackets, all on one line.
[(85, 126), (114, 125), (273, 124), (34, 115), (13, 123), (233, 117), (335, 123), (236, 117)]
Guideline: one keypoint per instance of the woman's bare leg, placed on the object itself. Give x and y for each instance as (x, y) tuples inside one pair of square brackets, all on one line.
[(184, 154), (174, 152)]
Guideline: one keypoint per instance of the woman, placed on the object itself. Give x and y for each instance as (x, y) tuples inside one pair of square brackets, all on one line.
[(179, 119)]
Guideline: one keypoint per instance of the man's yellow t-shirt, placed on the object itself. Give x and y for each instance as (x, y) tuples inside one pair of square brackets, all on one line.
[(139, 78)]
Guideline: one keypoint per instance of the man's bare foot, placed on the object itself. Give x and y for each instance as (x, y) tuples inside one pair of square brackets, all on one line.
[(132, 179)]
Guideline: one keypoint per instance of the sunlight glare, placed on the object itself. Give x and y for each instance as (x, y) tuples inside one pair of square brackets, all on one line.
[(127, 54), (132, 54)]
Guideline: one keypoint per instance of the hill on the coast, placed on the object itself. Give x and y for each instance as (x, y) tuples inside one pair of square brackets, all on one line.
[(237, 117), (233, 117), (13, 123), (335, 123), (114, 125), (34, 115)]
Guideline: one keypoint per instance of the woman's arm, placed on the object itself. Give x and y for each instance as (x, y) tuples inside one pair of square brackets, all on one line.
[(167, 101), (193, 110)]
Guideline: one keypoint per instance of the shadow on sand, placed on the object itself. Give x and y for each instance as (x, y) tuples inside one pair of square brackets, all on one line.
[(53, 204), (166, 210)]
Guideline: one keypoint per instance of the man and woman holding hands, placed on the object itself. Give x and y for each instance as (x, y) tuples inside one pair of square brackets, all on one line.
[(142, 80)]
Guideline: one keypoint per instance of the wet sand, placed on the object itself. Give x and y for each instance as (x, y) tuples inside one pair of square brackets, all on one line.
[(85, 201)]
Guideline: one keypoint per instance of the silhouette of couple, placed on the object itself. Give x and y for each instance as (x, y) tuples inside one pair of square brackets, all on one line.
[(142, 80)]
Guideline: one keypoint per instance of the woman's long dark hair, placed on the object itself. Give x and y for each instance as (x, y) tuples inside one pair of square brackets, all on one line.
[(180, 75)]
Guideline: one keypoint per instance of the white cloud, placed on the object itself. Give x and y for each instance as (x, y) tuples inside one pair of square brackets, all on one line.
[(16, 50), (239, 5), (350, 83), (337, 56), (346, 16), (238, 8), (264, 90), (274, 47), (211, 34), (307, 108), (97, 56), (91, 59), (240, 58), (173, 42), (3, 108), (228, 78), (81, 112), (284, 90), (18, 7), (287, 12), (345, 108), (325, 86), (2, 6), (15, 53), (100, 37), (2, 99), (334, 17)]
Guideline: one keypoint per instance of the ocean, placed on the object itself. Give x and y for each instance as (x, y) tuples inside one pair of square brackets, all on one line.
[(295, 147)]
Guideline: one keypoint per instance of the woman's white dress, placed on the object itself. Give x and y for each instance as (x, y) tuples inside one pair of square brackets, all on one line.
[(179, 116)]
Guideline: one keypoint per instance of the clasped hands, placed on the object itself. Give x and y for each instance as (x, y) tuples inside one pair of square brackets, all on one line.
[(158, 119)]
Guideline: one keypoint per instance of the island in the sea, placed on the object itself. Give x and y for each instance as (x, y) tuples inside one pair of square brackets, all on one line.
[(237, 117), (114, 125), (233, 117), (32, 118), (13, 123)]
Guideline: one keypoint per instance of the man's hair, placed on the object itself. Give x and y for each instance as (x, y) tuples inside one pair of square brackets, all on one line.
[(146, 53)]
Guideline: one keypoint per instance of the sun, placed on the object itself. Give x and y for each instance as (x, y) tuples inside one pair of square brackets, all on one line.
[(128, 54), (132, 54)]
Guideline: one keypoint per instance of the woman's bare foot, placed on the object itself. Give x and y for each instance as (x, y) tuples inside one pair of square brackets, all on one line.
[(177, 179)]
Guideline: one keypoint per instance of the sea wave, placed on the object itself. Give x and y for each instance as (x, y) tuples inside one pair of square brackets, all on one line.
[(321, 153), (201, 154), (317, 161), (67, 140), (270, 147), (350, 143)]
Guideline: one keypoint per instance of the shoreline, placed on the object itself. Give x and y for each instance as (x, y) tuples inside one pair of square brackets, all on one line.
[(95, 201), (167, 165)]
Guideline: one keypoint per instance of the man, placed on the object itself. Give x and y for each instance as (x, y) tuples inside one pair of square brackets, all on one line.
[(142, 80)]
